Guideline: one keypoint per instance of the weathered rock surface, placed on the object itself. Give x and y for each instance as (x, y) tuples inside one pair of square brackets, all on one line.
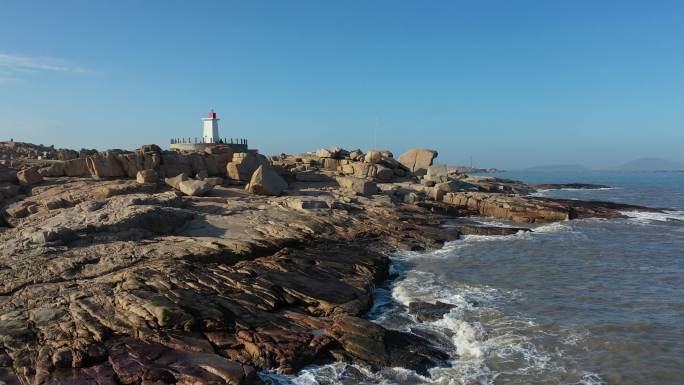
[(358, 185), (194, 187), (175, 181), (265, 181), (7, 174), (29, 176), (105, 165), (418, 160), (142, 287), (115, 282), (490, 230), (243, 165), (147, 176), (428, 312), (535, 210)]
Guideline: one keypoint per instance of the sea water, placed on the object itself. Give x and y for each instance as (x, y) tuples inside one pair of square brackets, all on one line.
[(578, 302)]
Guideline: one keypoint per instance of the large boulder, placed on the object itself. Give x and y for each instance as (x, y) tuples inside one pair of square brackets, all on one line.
[(173, 164), (358, 185), (55, 169), (244, 164), (76, 167), (216, 163), (372, 157), (65, 154), (147, 176), (105, 165), (194, 187), (29, 176), (418, 160), (138, 161), (383, 173), (438, 173), (150, 148), (175, 181), (265, 181)]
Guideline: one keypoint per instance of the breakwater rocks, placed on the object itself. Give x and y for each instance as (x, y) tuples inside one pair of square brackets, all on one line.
[(127, 277)]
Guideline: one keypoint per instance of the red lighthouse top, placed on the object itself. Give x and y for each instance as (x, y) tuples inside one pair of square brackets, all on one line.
[(212, 114)]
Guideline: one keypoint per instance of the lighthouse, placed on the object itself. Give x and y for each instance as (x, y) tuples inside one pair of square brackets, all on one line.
[(211, 134), (210, 138)]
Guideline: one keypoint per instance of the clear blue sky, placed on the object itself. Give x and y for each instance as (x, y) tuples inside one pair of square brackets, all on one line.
[(512, 83)]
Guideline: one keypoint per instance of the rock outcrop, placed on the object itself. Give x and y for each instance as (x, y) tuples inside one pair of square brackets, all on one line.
[(358, 185), (418, 160), (244, 164), (265, 181), (194, 187), (29, 176), (147, 176)]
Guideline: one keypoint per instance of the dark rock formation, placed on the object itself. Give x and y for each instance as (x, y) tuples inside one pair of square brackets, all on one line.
[(427, 312)]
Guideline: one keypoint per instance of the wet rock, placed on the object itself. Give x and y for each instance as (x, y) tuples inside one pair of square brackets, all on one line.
[(428, 312), (373, 345), (490, 230)]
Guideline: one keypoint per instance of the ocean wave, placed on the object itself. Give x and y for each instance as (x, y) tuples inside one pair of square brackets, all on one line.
[(547, 192), (653, 217)]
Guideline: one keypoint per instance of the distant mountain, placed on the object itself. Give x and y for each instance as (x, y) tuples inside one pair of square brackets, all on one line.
[(651, 164), (558, 168)]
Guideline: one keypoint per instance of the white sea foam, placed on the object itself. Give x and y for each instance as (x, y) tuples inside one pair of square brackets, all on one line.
[(485, 343), (651, 217), (547, 192)]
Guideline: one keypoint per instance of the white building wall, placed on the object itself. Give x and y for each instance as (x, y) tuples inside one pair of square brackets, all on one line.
[(211, 133)]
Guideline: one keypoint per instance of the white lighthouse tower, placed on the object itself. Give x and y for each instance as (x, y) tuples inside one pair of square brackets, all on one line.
[(211, 134)]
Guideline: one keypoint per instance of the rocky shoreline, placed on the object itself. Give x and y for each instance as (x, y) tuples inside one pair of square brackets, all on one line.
[(207, 268)]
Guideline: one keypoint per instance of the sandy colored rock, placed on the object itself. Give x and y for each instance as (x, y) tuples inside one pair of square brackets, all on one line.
[(176, 180), (105, 165), (358, 185), (194, 187), (372, 157), (29, 176), (265, 181), (243, 165), (147, 176), (418, 160)]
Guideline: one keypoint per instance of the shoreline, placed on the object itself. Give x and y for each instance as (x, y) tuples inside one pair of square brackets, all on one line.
[(114, 280)]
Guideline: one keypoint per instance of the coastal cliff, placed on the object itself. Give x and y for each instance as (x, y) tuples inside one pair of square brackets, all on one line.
[(209, 267)]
